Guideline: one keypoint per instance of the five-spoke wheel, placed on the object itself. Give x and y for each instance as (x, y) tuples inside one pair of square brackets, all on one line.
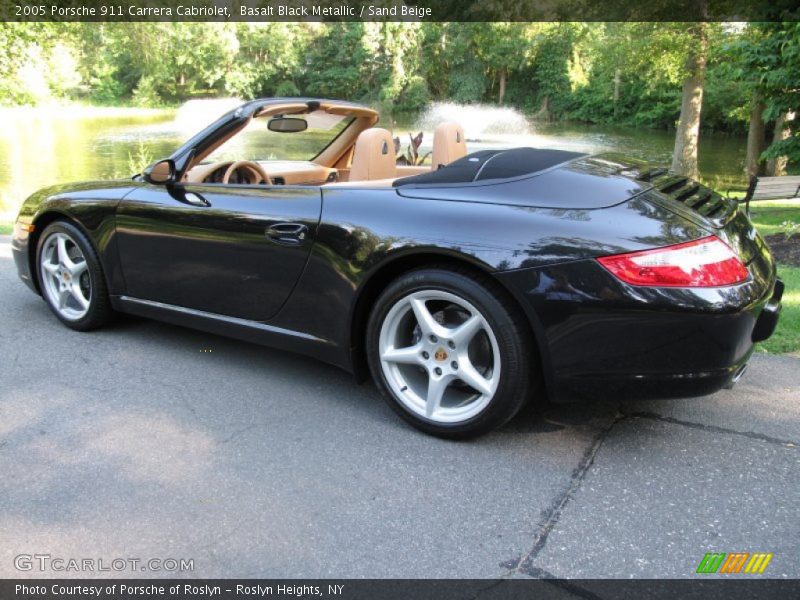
[(439, 356), (70, 277), (65, 277), (450, 352)]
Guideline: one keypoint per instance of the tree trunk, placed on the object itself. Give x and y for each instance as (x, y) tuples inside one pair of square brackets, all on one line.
[(777, 166), (617, 80), (543, 114), (756, 141), (684, 157), (502, 93)]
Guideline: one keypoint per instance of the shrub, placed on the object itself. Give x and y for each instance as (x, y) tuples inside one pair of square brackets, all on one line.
[(415, 95), (145, 93), (287, 88), (468, 84)]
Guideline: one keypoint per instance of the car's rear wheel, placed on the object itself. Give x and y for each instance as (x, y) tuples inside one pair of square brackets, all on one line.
[(450, 352), (71, 278)]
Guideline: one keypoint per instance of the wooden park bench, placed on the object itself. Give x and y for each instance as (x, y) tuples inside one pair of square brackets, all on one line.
[(771, 188)]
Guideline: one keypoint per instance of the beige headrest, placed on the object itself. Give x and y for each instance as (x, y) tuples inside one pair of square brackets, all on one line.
[(373, 157), (448, 144)]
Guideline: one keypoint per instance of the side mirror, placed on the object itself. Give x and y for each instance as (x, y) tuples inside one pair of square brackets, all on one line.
[(161, 172)]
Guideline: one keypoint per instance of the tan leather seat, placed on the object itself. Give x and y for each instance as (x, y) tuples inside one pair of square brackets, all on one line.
[(448, 144), (373, 157)]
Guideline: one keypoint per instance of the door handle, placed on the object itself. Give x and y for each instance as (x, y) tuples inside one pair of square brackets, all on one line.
[(288, 234), (186, 197), (195, 199)]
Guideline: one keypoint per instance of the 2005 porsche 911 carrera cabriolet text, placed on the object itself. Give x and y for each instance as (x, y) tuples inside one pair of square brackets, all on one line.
[(464, 288)]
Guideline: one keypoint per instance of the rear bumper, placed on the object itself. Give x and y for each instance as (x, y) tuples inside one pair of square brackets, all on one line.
[(768, 318), (602, 339), (650, 385)]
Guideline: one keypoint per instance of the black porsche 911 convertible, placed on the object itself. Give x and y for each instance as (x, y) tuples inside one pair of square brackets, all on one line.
[(465, 288)]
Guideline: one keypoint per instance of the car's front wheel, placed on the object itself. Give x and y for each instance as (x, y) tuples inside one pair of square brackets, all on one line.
[(450, 352), (71, 278)]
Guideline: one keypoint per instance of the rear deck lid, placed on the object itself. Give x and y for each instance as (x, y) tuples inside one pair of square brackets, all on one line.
[(548, 179)]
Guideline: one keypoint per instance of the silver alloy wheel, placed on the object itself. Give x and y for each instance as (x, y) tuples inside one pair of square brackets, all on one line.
[(440, 356), (65, 276)]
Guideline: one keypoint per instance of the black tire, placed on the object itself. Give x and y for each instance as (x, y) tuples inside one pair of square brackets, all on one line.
[(99, 311), (520, 372)]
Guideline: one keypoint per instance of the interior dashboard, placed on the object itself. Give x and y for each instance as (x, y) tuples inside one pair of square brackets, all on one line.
[(280, 172)]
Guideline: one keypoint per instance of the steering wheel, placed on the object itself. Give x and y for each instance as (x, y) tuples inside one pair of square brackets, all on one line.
[(258, 172)]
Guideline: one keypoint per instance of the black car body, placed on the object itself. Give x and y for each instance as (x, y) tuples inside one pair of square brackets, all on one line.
[(538, 235)]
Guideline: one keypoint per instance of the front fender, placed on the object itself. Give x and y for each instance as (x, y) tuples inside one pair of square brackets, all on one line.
[(90, 206)]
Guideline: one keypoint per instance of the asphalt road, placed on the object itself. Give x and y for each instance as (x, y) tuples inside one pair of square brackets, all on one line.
[(150, 441)]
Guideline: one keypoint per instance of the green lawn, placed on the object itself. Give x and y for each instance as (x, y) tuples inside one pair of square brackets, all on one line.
[(771, 218), (5, 228), (787, 336)]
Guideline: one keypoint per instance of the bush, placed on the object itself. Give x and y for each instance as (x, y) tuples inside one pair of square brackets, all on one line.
[(659, 109), (468, 84), (519, 91), (415, 95), (106, 90), (143, 157), (286, 89), (145, 93)]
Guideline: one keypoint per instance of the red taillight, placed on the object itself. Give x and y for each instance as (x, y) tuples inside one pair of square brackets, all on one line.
[(707, 262)]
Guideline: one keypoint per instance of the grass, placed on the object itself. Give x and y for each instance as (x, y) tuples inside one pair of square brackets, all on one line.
[(6, 228), (787, 335), (771, 218)]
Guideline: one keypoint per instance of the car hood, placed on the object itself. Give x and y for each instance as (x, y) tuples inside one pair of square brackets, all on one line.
[(587, 182), (80, 187)]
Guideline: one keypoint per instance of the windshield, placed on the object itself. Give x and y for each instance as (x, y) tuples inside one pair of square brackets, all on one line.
[(257, 143)]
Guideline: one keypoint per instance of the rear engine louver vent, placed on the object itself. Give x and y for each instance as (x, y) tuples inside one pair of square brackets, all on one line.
[(691, 194)]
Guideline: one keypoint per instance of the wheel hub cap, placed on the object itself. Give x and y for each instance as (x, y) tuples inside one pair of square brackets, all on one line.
[(66, 283), (439, 356)]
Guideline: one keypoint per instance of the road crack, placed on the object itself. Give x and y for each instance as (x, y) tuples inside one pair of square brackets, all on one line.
[(238, 432), (552, 515), (753, 435), (524, 564)]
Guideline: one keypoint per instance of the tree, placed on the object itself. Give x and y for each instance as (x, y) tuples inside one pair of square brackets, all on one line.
[(702, 76), (551, 68), (36, 62), (271, 57), (775, 57), (776, 165), (756, 139), (766, 58), (504, 48), (394, 51), (684, 156), (632, 73), (460, 55), (336, 62)]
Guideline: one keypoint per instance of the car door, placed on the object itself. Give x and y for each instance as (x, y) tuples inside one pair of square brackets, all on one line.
[(232, 250)]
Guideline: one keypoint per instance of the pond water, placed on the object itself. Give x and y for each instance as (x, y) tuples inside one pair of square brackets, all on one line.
[(45, 146)]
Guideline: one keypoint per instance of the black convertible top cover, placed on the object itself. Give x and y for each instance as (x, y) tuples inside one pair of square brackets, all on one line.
[(492, 164)]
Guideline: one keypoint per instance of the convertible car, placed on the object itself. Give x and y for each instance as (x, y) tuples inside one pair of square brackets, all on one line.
[(465, 288)]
